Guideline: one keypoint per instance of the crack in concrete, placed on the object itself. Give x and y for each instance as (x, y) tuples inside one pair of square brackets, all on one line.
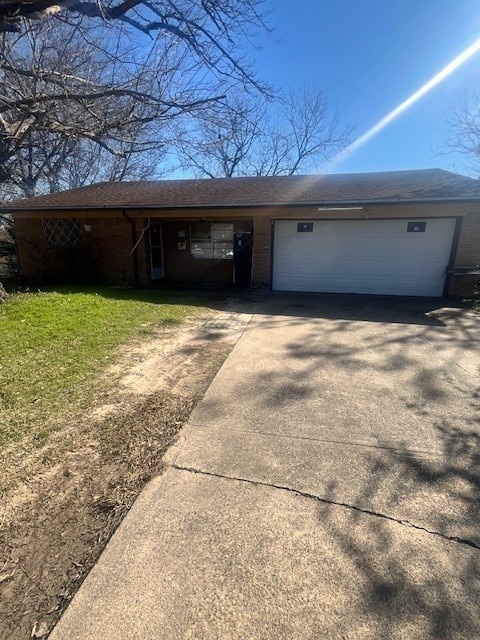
[(344, 505)]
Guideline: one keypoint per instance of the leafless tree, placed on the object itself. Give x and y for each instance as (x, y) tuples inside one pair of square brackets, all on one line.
[(207, 30), (88, 89), (463, 133), (100, 78), (219, 141), (249, 135), (56, 104), (46, 164)]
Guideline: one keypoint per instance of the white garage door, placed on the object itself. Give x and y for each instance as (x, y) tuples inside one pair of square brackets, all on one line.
[(391, 257)]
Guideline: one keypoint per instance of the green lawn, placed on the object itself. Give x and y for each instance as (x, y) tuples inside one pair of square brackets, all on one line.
[(54, 345)]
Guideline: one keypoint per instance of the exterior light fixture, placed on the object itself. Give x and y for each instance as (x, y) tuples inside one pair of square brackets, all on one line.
[(87, 227), (340, 209)]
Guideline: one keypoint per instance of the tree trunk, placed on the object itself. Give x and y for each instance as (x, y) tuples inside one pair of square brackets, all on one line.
[(3, 294)]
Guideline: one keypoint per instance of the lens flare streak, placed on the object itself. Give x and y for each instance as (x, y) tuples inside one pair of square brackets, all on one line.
[(406, 104)]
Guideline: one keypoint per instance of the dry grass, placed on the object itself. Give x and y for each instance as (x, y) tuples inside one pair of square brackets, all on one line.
[(57, 521), (67, 478)]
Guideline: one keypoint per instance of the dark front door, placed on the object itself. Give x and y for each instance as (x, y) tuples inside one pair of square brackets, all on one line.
[(242, 259)]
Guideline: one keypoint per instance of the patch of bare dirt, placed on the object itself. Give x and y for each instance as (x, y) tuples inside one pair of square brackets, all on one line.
[(170, 359), (61, 503)]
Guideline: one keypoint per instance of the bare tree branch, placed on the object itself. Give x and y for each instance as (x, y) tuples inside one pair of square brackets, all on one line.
[(117, 100), (463, 133), (248, 136), (106, 93), (207, 29)]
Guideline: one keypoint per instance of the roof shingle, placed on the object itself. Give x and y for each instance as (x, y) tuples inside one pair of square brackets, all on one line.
[(358, 188)]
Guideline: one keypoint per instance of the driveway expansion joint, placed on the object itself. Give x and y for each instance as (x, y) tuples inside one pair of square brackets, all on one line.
[(344, 505)]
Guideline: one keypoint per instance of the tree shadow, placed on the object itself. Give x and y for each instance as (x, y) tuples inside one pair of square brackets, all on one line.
[(296, 306), (415, 567), (366, 308), (404, 392)]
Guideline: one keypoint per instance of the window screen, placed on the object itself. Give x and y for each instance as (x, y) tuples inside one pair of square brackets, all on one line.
[(62, 232), (211, 240)]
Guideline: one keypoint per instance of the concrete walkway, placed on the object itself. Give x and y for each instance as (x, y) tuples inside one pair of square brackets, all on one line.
[(327, 486)]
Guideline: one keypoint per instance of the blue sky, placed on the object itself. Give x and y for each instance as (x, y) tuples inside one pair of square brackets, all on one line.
[(369, 56)]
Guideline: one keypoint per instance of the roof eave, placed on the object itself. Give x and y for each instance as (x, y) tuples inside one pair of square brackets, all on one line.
[(240, 205)]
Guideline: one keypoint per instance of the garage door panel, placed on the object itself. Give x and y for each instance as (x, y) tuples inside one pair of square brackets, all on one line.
[(363, 249), (435, 227), (367, 263), (384, 287), (362, 256)]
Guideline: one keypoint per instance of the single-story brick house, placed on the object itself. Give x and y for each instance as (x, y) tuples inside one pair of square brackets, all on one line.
[(398, 233)]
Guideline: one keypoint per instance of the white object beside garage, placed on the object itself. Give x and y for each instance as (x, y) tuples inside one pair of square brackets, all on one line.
[(385, 257)]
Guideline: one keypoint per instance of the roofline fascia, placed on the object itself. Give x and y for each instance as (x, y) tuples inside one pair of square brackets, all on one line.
[(254, 205)]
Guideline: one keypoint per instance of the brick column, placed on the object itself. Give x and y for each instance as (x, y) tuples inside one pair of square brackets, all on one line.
[(468, 255), (262, 238), (468, 252), (143, 252)]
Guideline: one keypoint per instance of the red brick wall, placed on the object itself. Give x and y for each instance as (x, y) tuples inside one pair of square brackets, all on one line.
[(262, 238), (110, 240), (468, 255), (468, 252), (106, 250), (181, 267), (30, 244), (142, 252)]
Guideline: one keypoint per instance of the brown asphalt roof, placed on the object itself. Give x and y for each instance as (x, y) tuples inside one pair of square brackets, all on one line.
[(358, 188)]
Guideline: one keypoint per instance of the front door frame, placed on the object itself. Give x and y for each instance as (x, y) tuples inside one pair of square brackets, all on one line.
[(157, 273)]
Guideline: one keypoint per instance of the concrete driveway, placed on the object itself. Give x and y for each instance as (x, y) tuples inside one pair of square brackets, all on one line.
[(327, 486)]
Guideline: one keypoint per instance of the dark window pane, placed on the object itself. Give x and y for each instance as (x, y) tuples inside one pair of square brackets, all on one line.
[(303, 227), (156, 258), (416, 227), (155, 235), (201, 231)]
